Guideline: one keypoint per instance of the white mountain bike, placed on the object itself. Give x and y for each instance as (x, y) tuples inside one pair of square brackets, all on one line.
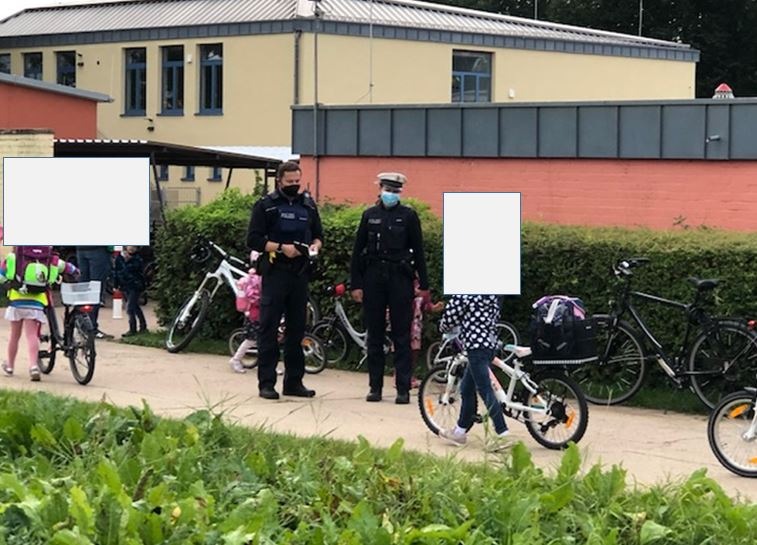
[(191, 315), (551, 405), (732, 432)]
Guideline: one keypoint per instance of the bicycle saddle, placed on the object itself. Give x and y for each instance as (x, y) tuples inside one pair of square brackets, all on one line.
[(702, 285)]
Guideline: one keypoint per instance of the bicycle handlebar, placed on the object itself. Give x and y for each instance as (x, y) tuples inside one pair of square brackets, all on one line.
[(201, 253), (623, 267)]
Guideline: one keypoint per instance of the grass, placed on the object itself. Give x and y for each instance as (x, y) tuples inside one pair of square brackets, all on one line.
[(157, 339), (83, 473)]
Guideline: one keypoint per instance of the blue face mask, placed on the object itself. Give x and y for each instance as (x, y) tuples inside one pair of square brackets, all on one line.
[(390, 199)]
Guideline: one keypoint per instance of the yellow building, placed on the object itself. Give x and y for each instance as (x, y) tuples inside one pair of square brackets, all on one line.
[(224, 73)]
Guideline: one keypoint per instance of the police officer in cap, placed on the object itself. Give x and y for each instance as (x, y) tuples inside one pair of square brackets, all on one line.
[(285, 228), (388, 252)]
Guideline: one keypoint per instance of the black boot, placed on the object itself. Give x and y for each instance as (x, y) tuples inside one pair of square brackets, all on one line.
[(373, 395)]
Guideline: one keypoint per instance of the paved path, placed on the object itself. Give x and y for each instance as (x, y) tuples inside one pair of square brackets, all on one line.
[(651, 445)]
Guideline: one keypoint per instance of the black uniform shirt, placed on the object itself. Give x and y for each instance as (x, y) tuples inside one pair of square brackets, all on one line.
[(388, 234), (270, 212)]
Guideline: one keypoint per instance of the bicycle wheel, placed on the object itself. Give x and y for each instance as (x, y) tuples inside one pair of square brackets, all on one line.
[(334, 340), (47, 350), (732, 434), (312, 314), (621, 368), (181, 332), (80, 336), (250, 358), (439, 399), (439, 353), (506, 334), (722, 361), (314, 353), (567, 412)]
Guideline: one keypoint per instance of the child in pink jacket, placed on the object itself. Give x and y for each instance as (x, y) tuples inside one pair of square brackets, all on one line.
[(248, 303)]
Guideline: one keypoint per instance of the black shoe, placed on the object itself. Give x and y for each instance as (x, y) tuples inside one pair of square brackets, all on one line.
[(403, 398), (300, 391), (269, 393), (373, 395), (130, 333)]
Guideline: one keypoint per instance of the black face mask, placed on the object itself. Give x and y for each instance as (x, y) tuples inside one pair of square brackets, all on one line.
[(290, 190)]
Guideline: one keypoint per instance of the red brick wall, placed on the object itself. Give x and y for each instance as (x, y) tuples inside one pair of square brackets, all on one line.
[(67, 116), (651, 193)]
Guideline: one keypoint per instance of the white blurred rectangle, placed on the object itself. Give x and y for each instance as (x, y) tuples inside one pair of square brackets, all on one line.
[(481, 243), (60, 201)]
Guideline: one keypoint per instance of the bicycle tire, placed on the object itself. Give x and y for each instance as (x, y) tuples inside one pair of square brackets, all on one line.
[(201, 305), (620, 371), (46, 357), (567, 408), (730, 342), (334, 341), (731, 417), (312, 314), (507, 333), (250, 358), (81, 338), (313, 354), (436, 414)]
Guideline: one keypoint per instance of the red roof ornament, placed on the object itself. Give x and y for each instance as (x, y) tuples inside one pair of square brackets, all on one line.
[(723, 91)]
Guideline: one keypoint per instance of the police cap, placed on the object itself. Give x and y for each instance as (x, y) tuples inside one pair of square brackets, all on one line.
[(392, 180)]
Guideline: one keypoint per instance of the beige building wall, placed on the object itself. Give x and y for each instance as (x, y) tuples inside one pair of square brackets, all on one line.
[(21, 143)]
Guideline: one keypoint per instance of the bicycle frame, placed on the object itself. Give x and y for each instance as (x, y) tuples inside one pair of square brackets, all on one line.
[(224, 273), (357, 337)]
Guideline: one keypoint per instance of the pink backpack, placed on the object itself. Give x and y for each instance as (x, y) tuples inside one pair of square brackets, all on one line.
[(33, 268)]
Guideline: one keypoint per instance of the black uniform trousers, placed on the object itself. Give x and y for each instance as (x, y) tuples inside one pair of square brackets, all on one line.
[(284, 292), (388, 285)]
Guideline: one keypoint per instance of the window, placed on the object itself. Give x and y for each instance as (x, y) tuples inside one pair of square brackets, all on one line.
[(5, 63), (211, 79), (136, 70), (33, 65), (66, 67), (215, 174), (162, 173), (471, 76), (172, 90), (189, 174)]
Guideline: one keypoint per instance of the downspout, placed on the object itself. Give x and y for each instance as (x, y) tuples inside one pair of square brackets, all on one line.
[(297, 39), (316, 157), (157, 186)]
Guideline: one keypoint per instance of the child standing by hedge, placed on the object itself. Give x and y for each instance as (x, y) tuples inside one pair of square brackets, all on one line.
[(130, 278), (249, 304), (29, 295)]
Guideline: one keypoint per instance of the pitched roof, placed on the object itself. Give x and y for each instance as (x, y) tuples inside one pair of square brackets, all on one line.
[(21, 81), (147, 14)]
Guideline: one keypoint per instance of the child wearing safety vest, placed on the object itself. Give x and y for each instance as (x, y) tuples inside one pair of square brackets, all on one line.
[(29, 297)]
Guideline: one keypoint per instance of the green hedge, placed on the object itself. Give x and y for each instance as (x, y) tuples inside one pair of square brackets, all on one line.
[(555, 259)]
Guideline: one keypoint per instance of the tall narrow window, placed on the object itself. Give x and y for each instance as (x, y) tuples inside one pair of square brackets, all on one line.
[(66, 67), (5, 63), (172, 89), (471, 76), (189, 174), (136, 84), (162, 173), (215, 174), (211, 79), (33, 65)]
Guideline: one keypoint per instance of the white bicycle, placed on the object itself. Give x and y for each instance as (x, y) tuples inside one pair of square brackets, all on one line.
[(551, 405), (441, 352), (732, 432), (335, 332)]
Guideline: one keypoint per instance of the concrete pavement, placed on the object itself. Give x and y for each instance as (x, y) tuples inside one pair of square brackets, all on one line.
[(651, 445)]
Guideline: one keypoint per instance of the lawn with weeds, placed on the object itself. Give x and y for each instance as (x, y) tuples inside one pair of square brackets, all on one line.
[(78, 473)]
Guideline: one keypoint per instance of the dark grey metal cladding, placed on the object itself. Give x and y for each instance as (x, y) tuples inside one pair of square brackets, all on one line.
[(341, 132), (302, 131), (518, 130), (444, 132), (683, 132), (598, 131), (558, 131), (639, 132), (375, 132), (673, 129), (480, 132), (743, 137), (409, 132)]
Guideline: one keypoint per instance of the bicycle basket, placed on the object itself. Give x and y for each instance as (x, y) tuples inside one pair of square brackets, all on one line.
[(80, 293)]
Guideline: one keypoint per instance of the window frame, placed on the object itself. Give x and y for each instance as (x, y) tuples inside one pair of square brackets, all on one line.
[(216, 82), (477, 76), (26, 56), (216, 174), (10, 63), (139, 70), (162, 173), (58, 73), (189, 174), (176, 71)]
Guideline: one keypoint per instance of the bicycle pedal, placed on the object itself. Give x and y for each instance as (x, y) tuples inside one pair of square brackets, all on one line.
[(44, 338), (43, 354)]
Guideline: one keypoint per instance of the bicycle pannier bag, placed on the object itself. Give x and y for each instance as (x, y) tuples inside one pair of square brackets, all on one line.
[(560, 331)]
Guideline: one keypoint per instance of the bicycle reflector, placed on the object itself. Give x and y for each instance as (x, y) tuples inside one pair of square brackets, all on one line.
[(339, 290), (86, 308), (751, 324)]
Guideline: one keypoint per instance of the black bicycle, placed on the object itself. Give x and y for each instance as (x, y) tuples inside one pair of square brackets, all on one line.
[(77, 340), (717, 356)]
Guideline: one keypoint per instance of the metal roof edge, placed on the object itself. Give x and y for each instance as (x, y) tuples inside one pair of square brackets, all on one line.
[(21, 81)]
